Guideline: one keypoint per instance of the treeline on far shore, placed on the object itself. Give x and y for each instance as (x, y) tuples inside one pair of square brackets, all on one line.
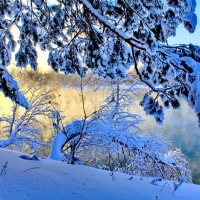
[(60, 79)]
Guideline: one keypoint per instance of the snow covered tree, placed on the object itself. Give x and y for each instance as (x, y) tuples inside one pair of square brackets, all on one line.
[(22, 129), (106, 37), (110, 138)]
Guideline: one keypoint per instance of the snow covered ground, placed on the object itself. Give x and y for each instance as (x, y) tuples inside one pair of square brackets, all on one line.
[(52, 180)]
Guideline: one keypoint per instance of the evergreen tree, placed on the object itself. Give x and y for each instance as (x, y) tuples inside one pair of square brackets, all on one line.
[(106, 37)]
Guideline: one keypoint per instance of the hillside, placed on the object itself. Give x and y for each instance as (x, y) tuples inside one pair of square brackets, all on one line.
[(51, 180)]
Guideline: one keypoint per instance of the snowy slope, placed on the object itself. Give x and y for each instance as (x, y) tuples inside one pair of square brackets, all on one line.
[(54, 180)]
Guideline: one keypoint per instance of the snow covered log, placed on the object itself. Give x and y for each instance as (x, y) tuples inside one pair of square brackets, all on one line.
[(57, 145)]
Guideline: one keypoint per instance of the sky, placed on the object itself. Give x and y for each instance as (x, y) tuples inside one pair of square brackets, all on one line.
[(183, 36)]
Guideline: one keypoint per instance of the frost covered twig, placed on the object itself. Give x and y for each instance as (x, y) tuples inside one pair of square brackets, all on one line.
[(4, 168), (164, 185)]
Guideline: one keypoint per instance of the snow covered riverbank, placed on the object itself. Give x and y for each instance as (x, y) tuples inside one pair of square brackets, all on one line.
[(51, 180)]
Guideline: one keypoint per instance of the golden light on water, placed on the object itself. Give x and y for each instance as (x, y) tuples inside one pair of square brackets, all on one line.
[(74, 107), (5, 104)]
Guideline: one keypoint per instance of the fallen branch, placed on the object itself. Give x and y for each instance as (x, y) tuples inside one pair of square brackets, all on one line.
[(4, 168), (29, 169), (166, 183), (177, 185)]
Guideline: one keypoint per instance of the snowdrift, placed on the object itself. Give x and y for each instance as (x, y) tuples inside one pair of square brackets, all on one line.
[(51, 180)]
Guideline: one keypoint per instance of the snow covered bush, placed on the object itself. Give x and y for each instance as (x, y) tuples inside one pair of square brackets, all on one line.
[(182, 164), (143, 162), (106, 37), (168, 167), (22, 129)]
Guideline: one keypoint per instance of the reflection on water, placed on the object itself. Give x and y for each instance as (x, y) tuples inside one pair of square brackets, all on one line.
[(180, 126)]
